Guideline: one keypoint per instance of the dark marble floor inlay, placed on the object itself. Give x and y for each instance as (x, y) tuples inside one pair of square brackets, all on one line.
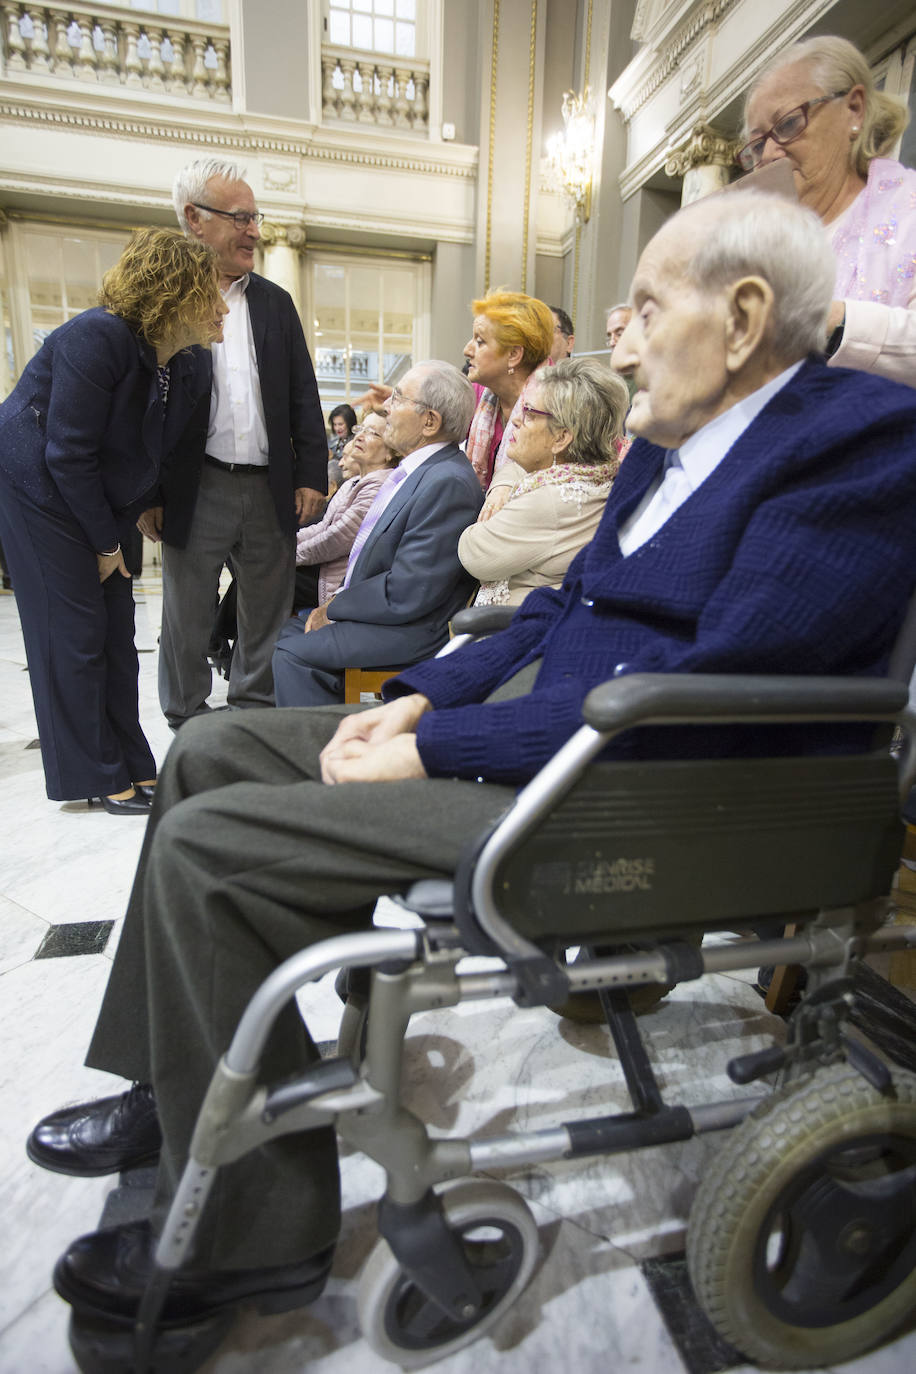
[(34, 744), (700, 1346), (75, 937)]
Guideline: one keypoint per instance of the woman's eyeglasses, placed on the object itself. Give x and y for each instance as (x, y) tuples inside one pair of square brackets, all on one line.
[(786, 130), (369, 432), (532, 410)]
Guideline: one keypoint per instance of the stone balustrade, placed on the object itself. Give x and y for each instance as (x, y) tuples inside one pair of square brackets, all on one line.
[(366, 88), (117, 47)]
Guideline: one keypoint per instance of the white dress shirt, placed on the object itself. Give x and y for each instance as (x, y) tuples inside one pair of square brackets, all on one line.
[(685, 468), (237, 433)]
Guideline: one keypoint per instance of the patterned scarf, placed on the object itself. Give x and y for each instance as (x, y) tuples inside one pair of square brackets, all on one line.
[(480, 437), (578, 480)]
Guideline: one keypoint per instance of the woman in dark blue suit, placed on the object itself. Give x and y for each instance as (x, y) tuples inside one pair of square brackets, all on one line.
[(81, 440)]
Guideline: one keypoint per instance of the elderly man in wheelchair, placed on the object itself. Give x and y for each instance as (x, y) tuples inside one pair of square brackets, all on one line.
[(726, 639)]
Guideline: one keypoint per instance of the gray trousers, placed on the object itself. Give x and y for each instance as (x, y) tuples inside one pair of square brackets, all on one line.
[(234, 517), (247, 859)]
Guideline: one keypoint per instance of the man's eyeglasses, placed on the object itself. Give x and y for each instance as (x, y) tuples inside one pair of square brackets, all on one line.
[(398, 398), (240, 218), (528, 410), (786, 130)]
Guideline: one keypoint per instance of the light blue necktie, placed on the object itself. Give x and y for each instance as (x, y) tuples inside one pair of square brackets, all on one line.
[(382, 498)]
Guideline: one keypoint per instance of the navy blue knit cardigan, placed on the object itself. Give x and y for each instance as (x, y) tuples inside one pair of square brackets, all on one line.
[(797, 555)]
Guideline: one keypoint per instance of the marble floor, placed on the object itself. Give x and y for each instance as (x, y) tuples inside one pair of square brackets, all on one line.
[(609, 1291)]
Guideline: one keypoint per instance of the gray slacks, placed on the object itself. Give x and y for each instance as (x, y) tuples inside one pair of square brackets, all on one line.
[(235, 518), (247, 859)]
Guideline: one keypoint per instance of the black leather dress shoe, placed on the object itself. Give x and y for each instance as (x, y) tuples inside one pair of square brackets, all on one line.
[(104, 1274), (102, 1137), (137, 805)]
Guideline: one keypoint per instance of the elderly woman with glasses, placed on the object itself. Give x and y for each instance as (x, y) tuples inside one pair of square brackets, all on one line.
[(816, 105), (322, 550), (563, 448)]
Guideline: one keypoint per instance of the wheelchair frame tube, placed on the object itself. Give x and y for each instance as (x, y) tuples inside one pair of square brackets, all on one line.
[(341, 951)]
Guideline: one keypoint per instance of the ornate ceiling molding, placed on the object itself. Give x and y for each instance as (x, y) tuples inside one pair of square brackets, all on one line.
[(629, 96), (242, 140)]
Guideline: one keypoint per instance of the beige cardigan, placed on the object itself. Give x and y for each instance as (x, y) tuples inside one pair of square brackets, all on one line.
[(532, 540)]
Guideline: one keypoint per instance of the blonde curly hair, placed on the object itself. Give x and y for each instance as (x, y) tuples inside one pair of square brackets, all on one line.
[(163, 285)]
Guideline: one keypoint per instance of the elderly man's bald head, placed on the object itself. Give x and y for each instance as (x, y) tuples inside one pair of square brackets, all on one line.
[(726, 295)]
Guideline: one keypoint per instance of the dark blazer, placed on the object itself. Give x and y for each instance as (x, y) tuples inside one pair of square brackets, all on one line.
[(296, 436), (794, 556), (69, 430), (407, 582)]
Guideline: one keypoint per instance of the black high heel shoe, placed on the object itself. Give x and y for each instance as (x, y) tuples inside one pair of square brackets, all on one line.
[(145, 789), (123, 806)]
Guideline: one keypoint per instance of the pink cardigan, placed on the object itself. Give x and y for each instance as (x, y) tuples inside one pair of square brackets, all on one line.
[(329, 542), (875, 248)]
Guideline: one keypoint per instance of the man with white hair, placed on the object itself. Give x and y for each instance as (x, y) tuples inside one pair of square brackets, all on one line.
[(404, 580), (762, 522), (254, 464)]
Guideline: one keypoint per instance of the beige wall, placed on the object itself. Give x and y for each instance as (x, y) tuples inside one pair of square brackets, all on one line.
[(275, 51)]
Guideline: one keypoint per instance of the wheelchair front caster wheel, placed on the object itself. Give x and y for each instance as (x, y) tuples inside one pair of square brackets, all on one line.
[(500, 1241), (802, 1237)]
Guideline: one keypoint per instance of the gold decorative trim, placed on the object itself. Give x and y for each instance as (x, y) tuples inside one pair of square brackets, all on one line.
[(494, 63), (585, 82), (529, 139), (288, 235), (362, 251), (72, 221), (242, 141), (705, 145)]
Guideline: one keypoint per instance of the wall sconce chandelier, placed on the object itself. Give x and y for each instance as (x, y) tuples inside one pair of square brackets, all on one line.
[(570, 153)]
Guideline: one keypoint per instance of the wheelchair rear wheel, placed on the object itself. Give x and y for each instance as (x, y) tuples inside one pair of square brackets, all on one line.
[(802, 1237), (500, 1240)]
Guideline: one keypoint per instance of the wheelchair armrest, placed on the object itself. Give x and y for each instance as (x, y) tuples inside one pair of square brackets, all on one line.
[(681, 698), (482, 620)]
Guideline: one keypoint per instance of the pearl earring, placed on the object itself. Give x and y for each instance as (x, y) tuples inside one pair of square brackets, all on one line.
[(853, 131), (511, 371)]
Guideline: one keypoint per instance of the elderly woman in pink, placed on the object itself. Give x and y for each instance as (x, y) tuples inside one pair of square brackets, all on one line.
[(816, 105), (322, 550)]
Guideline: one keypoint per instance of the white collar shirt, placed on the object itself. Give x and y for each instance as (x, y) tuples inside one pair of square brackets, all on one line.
[(237, 432), (687, 467), (383, 497)]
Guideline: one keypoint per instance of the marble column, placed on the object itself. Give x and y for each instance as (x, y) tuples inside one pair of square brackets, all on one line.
[(706, 162), (283, 246)]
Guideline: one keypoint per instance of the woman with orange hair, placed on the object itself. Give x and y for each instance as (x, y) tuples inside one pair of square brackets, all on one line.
[(512, 336)]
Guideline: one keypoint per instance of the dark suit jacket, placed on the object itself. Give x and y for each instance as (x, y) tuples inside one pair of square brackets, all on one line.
[(84, 433), (296, 436), (794, 556), (407, 582)]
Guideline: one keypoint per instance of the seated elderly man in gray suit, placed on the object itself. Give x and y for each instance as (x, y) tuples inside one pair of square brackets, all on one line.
[(404, 581)]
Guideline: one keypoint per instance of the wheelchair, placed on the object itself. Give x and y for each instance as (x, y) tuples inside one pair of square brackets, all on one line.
[(802, 1235)]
